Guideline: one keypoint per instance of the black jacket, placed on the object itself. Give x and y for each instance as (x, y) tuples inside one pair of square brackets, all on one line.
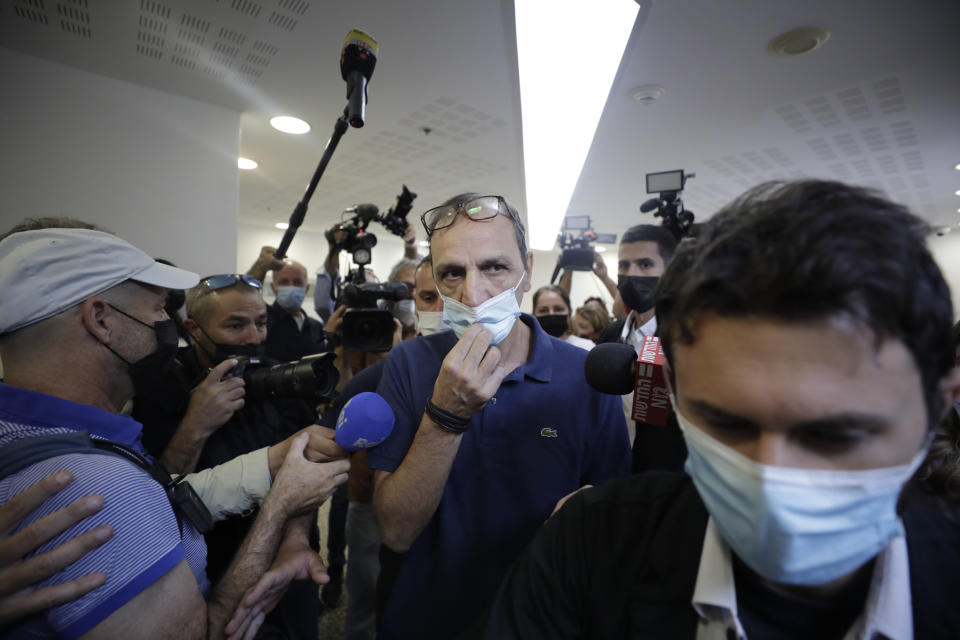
[(286, 341), (621, 561), (655, 447)]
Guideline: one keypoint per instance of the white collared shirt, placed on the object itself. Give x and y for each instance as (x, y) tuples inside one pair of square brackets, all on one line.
[(887, 613), (633, 336)]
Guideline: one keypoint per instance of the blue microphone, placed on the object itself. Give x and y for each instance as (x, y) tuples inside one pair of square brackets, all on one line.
[(365, 421)]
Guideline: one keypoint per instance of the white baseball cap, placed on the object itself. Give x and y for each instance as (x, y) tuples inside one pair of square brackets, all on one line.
[(46, 271)]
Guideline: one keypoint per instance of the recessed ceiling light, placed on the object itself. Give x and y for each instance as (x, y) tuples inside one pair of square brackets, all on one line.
[(289, 124), (798, 41), (957, 167), (957, 192), (282, 225), (246, 163)]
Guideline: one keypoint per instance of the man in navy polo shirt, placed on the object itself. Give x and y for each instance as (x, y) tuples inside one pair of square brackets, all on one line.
[(494, 423)]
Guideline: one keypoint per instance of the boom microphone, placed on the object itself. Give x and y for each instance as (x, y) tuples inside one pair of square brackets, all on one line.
[(616, 369), (365, 421), (358, 57)]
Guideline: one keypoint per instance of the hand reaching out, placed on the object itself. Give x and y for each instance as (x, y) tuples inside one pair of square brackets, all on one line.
[(295, 561), (321, 447), (301, 485)]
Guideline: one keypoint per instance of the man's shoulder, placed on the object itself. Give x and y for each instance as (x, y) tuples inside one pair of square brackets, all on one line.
[(653, 489), (660, 512), (611, 333), (146, 541)]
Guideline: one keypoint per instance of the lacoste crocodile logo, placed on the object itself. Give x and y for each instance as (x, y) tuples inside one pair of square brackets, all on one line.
[(547, 432)]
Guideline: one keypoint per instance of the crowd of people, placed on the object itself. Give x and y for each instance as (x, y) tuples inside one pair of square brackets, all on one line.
[(804, 485)]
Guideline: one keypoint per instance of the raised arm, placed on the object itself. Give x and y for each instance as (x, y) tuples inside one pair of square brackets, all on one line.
[(405, 500), (265, 262)]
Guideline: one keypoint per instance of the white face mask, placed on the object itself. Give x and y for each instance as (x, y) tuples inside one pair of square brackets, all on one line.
[(796, 526), (497, 314), (430, 322)]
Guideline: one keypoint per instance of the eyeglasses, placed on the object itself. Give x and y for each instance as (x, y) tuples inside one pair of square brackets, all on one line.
[(225, 280), (479, 208)]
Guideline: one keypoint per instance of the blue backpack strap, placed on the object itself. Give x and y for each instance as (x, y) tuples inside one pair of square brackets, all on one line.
[(27, 451)]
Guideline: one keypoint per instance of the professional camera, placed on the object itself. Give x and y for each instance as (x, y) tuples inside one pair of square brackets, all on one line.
[(367, 327), (576, 241), (358, 241), (311, 378), (395, 219), (668, 205)]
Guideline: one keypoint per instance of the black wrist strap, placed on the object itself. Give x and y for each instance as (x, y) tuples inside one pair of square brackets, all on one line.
[(445, 420)]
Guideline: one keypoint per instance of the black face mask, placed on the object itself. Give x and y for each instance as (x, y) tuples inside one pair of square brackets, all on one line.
[(555, 325), (222, 351), (147, 372), (637, 292)]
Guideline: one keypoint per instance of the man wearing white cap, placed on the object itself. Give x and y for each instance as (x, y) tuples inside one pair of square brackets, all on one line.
[(82, 325)]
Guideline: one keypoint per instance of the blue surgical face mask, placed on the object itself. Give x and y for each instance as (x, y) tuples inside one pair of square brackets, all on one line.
[(291, 297), (497, 314), (796, 526)]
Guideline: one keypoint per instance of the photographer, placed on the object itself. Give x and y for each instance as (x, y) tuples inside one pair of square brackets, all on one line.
[(328, 277), (105, 320), (201, 418), (362, 537)]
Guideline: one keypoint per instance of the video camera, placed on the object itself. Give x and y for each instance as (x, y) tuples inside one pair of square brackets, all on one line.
[(311, 378), (668, 205), (366, 327), (576, 241)]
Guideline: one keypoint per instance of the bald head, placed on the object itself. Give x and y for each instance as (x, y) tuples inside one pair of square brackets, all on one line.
[(293, 274)]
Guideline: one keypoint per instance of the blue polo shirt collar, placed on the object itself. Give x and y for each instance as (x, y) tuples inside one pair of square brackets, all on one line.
[(537, 365), (40, 410)]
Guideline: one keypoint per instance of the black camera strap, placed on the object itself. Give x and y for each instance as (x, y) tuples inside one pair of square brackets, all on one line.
[(184, 501)]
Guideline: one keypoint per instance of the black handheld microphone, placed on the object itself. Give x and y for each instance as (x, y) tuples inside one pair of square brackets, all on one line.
[(358, 57), (611, 368), (617, 369)]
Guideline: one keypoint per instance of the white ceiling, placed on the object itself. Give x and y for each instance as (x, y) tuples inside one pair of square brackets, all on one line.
[(877, 105)]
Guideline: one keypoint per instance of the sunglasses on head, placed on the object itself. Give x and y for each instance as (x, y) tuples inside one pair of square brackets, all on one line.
[(224, 280)]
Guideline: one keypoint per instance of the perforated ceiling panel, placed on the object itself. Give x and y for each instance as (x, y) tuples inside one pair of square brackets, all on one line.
[(196, 43), (861, 134), (72, 16)]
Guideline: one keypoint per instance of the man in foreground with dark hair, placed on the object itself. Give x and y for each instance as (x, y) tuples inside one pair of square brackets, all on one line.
[(807, 336)]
